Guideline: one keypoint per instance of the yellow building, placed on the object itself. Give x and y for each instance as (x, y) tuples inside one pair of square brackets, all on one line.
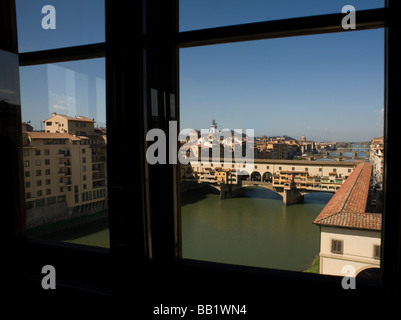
[(224, 176), (79, 126), (64, 172), (304, 181)]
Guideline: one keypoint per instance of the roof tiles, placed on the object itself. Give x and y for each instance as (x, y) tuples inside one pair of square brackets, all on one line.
[(347, 207)]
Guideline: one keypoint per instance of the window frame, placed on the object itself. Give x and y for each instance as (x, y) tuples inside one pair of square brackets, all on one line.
[(154, 239), (377, 252), (367, 19), (337, 246)]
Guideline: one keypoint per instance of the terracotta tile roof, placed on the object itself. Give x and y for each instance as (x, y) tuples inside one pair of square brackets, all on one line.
[(347, 207), (78, 118), (50, 135), (369, 221)]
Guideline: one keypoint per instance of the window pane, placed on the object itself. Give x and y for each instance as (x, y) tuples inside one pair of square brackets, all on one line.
[(64, 142), (9, 78), (196, 14), (315, 104), (70, 23)]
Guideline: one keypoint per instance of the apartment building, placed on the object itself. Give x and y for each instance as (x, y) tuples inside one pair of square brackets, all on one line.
[(64, 170)]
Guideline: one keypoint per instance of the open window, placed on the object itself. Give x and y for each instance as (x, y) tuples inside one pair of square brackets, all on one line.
[(136, 86)]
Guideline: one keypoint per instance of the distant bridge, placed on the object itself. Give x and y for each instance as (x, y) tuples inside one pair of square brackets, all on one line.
[(356, 147)]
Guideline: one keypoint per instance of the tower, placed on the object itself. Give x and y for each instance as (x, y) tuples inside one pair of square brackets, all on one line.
[(213, 127)]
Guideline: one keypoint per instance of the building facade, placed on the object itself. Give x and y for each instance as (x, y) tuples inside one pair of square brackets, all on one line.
[(377, 160), (64, 172), (350, 237), (341, 247)]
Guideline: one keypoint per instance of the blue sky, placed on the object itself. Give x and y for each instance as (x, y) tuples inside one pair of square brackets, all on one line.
[(329, 87), (72, 88), (78, 22)]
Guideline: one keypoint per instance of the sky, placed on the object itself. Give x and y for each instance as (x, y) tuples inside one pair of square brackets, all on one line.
[(73, 88), (328, 87)]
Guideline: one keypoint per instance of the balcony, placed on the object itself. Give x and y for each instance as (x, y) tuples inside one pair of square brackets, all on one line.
[(63, 153), (64, 173), (98, 176), (96, 159), (64, 164)]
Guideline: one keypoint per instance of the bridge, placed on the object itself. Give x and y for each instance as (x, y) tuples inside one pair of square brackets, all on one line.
[(290, 178), (341, 154), (356, 147)]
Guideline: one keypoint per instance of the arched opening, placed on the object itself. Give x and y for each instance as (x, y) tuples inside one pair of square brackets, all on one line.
[(255, 176), (267, 177), (369, 273)]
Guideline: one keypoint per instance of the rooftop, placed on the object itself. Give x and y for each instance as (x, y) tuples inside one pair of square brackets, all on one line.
[(78, 118), (51, 135), (348, 205)]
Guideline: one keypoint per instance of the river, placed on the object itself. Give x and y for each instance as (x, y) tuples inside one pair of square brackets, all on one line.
[(254, 230)]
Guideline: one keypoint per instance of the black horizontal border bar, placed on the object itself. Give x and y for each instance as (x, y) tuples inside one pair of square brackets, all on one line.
[(366, 19), (89, 51)]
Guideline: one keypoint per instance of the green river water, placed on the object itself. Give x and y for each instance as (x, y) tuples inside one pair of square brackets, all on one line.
[(255, 229)]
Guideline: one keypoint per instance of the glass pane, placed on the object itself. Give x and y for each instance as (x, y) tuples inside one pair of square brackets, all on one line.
[(64, 151), (9, 78), (315, 104), (195, 14), (64, 24)]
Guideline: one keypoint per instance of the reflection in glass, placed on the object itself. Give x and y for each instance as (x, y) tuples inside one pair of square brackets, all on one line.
[(64, 151), (9, 78)]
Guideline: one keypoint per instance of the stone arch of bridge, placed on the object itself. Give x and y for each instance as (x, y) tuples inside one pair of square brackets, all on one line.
[(267, 177), (256, 176), (263, 185)]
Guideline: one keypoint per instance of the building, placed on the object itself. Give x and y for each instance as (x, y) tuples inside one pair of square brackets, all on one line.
[(79, 126), (376, 159), (64, 173), (306, 146), (350, 236), (303, 180), (278, 150)]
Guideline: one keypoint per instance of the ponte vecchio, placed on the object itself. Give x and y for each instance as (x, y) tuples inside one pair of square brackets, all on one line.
[(292, 179)]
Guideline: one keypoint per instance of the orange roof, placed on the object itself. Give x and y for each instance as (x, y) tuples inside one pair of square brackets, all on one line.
[(78, 118), (347, 207), (51, 135)]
